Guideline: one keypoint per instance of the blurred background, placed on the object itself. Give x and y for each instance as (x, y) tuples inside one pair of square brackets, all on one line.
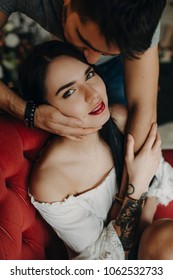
[(165, 94), (20, 34)]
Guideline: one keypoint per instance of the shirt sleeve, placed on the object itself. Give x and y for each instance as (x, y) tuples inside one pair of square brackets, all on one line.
[(82, 230), (8, 6), (76, 225), (156, 37), (107, 247)]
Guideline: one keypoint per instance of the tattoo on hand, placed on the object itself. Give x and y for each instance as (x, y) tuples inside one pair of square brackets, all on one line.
[(128, 221), (131, 189)]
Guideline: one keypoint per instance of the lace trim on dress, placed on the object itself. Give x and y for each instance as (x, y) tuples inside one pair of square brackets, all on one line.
[(107, 247)]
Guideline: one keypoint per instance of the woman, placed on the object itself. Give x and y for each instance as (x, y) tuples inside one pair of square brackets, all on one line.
[(74, 183)]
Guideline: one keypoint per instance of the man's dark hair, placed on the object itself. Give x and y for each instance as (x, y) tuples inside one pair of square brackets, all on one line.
[(130, 24)]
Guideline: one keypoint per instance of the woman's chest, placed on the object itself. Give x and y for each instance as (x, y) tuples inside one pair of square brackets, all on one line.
[(87, 175)]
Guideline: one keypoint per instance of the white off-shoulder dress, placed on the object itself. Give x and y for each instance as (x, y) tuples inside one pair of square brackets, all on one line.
[(80, 221)]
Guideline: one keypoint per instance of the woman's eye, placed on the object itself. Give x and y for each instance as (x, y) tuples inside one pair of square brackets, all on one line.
[(68, 93), (90, 75)]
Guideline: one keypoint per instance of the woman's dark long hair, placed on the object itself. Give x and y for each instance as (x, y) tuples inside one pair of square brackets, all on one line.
[(115, 139), (32, 82)]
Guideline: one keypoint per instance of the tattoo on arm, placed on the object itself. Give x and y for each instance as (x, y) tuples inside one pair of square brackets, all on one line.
[(128, 221)]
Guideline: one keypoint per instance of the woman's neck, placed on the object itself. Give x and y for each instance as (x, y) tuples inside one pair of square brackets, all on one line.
[(86, 144)]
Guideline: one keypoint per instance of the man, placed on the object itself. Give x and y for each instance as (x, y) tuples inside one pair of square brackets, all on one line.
[(98, 28)]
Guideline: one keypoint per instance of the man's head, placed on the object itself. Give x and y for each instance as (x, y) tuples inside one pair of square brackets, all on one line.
[(110, 27)]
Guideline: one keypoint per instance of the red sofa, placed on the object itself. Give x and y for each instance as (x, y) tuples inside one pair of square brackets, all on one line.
[(23, 233)]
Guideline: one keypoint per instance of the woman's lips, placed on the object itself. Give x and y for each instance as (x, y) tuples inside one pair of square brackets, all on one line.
[(98, 110)]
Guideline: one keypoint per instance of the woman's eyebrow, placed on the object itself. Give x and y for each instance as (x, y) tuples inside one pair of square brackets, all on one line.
[(72, 83), (64, 87), (88, 69)]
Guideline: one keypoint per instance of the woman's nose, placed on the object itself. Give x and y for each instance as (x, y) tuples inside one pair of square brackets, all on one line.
[(91, 56), (91, 95)]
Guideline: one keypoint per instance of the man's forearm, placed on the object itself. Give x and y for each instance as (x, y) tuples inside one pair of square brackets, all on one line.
[(11, 102), (138, 125), (141, 84)]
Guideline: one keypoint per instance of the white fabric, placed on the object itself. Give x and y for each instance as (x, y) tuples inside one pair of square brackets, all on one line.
[(106, 247), (162, 187), (80, 221)]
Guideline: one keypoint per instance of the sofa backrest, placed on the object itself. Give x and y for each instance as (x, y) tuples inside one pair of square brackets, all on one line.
[(23, 233)]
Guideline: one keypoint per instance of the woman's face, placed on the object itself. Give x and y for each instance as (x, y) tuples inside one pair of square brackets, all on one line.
[(76, 90)]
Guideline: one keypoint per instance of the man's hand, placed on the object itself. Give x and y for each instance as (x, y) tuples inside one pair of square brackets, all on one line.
[(50, 119)]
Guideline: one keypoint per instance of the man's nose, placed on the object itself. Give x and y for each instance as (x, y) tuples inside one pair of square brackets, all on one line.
[(91, 56)]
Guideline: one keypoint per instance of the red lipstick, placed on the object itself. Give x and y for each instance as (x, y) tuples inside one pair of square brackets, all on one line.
[(98, 110)]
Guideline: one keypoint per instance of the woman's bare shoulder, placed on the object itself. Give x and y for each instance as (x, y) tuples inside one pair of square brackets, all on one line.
[(49, 181)]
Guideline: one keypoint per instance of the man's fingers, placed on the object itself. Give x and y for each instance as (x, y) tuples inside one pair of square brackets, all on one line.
[(74, 138), (70, 122), (64, 120), (49, 118), (72, 131)]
